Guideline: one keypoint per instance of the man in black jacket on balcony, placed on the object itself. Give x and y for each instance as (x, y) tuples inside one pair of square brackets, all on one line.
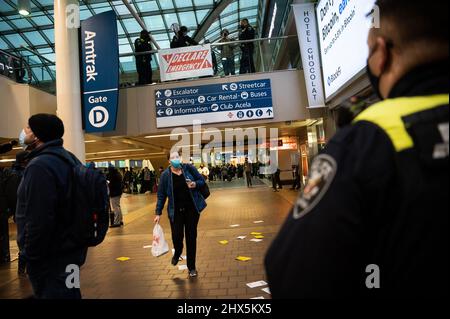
[(247, 33)]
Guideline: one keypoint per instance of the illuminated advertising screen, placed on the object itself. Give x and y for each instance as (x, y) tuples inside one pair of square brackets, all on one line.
[(343, 28)]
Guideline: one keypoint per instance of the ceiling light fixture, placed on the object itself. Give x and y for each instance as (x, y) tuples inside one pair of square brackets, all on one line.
[(118, 151), (24, 7)]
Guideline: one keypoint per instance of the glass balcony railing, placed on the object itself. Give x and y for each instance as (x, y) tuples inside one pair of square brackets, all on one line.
[(230, 58), (15, 68), (30, 68)]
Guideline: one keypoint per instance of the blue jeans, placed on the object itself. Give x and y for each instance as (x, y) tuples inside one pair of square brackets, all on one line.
[(228, 66)]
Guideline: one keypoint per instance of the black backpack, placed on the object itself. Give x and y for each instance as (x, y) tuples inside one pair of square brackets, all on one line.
[(88, 200)]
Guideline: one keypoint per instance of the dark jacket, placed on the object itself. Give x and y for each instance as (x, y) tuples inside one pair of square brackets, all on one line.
[(165, 189), (115, 183), (377, 195), (142, 45), (181, 41), (247, 34), (42, 214)]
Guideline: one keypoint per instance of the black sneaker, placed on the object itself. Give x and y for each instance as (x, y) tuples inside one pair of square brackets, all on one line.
[(175, 260), (193, 273)]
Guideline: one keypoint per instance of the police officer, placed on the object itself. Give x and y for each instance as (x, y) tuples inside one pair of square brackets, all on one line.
[(247, 64), (143, 62), (373, 217)]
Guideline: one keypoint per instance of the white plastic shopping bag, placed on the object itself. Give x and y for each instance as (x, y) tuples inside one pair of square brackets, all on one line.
[(160, 245)]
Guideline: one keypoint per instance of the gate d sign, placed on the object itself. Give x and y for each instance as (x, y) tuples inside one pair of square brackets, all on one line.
[(100, 72), (98, 116)]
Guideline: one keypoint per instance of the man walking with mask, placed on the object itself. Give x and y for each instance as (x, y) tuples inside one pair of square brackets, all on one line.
[(373, 217), (43, 217)]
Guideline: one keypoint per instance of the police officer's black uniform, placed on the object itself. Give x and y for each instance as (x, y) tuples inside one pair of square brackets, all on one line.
[(143, 62), (247, 64), (376, 197)]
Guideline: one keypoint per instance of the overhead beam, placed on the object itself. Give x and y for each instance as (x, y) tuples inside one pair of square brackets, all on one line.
[(215, 13)]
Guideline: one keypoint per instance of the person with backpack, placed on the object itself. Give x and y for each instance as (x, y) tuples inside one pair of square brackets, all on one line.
[(182, 184), (61, 210)]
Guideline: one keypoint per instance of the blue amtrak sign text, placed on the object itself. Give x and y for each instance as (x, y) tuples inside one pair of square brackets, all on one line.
[(214, 103), (100, 72)]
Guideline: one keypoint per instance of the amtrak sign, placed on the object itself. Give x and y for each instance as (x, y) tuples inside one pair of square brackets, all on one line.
[(100, 72)]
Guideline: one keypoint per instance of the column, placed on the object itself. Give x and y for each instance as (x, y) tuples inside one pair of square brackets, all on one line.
[(68, 76)]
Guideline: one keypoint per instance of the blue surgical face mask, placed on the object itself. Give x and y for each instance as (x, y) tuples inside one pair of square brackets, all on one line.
[(176, 163), (22, 137)]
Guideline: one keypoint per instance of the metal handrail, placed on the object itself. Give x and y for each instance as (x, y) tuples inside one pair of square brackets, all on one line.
[(37, 54), (215, 44), (21, 60)]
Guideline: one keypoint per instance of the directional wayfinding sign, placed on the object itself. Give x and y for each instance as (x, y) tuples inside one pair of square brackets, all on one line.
[(214, 103)]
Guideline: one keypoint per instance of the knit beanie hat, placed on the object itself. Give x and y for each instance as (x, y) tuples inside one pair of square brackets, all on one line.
[(46, 127)]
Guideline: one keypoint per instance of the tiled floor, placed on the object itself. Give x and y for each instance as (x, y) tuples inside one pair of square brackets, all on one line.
[(145, 276)]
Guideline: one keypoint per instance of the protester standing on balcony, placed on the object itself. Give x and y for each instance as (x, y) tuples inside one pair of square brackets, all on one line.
[(227, 53), (247, 33), (143, 62), (182, 39)]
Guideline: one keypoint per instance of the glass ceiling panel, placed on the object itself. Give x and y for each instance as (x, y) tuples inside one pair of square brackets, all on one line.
[(103, 9), (122, 10), (125, 49), (183, 3), (147, 6), (50, 56), (161, 36), (45, 50), (85, 14), (46, 2), (188, 19), (201, 14), (171, 18), (158, 15), (203, 2), (123, 41), (21, 23), (3, 45), (4, 7), (131, 25), (15, 40), (231, 8), (4, 26), (35, 38), (166, 4), (154, 23), (41, 20), (120, 30), (50, 34)]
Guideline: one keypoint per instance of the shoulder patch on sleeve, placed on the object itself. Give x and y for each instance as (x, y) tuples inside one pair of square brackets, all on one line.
[(322, 173)]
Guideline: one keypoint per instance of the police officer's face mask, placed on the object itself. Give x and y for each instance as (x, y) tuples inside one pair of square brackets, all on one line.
[(374, 80)]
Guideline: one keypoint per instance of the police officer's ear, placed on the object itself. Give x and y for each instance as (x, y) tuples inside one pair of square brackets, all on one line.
[(379, 55)]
